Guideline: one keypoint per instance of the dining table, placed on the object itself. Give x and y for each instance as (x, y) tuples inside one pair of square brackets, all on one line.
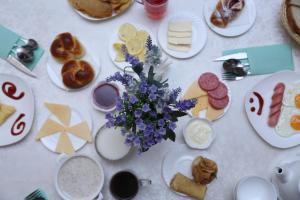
[(238, 149)]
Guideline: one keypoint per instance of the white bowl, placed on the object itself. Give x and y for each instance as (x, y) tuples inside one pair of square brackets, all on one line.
[(255, 188), (209, 141)]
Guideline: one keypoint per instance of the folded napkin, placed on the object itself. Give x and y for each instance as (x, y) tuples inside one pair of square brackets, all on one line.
[(8, 39), (267, 59)]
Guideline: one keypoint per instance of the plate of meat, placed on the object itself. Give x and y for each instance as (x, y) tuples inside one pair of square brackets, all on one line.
[(273, 109), (230, 17)]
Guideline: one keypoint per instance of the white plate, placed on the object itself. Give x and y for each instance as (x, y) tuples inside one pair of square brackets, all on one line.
[(260, 123), (54, 68), (77, 116), (179, 160), (203, 112), (115, 39), (85, 16), (199, 35), (24, 105), (239, 25)]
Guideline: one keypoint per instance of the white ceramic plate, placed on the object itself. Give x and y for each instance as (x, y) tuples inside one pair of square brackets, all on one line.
[(54, 67), (85, 16), (77, 116), (239, 25), (14, 130), (203, 112), (180, 160), (260, 123), (115, 39), (199, 35)]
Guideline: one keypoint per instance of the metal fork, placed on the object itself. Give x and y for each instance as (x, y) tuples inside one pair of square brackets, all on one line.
[(228, 76)]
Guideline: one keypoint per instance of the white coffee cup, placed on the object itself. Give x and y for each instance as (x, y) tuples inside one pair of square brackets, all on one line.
[(62, 159)]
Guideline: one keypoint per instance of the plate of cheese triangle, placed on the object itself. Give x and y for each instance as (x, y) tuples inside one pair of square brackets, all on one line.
[(16, 109), (64, 129)]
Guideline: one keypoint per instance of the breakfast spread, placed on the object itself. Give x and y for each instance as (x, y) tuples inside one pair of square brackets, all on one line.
[(133, 41), (211, 95), (275, 107), (105, 96), (226, 11), (67, 50), (204, 170), (51, 126), (101, 8), (198, 134), (79, 178), (5, 112), (180, 35)]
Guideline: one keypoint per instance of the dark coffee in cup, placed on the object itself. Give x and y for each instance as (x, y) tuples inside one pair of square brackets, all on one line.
[(124, 185)]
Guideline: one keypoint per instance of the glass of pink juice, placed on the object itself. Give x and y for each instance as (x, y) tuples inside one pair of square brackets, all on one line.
[(155, 9)]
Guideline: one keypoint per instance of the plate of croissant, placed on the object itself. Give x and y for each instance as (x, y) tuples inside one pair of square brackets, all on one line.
[(70, 66), (98, 10), (230, 18)]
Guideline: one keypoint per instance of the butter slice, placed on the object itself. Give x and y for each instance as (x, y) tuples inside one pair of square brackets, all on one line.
[(179, 47), (177, 34), (177, 41), (180, 26)]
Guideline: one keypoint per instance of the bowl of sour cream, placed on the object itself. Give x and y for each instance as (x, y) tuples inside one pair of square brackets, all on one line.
[(199, 133)]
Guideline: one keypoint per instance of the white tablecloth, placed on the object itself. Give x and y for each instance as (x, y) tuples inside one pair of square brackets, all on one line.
[(239, 151)]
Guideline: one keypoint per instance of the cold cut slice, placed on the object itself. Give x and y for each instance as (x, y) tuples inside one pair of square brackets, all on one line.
[(218, 103), (208, 81), (220, 92)]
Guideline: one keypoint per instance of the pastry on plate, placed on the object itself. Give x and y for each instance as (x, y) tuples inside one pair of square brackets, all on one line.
[(226, 11), (77, 73), (204, 170), (66, 47), (5, 112), (293, 15), (183, 184), (93, 8)]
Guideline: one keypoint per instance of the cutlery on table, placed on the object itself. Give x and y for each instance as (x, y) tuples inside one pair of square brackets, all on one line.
[(30, 44), (37, 195), (235, 66), (228, 76), (238, 56), (23, 54), (15, 62)]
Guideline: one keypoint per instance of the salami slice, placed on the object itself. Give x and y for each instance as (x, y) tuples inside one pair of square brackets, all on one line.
[(220, 92), (218, 103), (208, 81)]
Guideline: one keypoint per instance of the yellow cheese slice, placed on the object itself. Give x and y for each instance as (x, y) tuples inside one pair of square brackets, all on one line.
[(64, 144), (50, 127), (177, 34), (213, 114), (183, 48), (82, 131), (202, 104), (180, 41), (5, 112), (194, 91), (180, 26), (62, 112)]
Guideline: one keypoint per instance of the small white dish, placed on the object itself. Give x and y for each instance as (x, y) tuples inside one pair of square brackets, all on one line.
[(61, 160), (18, 125), (254, 187), (94, 104), (199, 36), (208, 141), (110, 144), (77, 116), (240, 25), (115, 39)]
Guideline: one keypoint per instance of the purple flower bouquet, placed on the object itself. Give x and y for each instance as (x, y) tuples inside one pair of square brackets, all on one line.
[(148, 111)]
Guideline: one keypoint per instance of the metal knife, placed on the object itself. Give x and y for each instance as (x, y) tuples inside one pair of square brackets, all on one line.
[(238, 56), (17, 64)]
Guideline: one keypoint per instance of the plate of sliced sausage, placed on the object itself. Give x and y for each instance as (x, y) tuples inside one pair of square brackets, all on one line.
[(267, 111)]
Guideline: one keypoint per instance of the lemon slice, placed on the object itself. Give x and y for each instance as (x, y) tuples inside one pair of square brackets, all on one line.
[(134, 46), (120, 57), (142, 35), (141, 55), (127, 31)]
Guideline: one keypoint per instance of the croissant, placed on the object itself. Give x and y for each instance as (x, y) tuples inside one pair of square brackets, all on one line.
[(77, 73), (226, 11), (66, 47)]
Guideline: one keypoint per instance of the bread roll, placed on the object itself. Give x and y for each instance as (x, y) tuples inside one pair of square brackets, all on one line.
[(66, 47), (77, 73)]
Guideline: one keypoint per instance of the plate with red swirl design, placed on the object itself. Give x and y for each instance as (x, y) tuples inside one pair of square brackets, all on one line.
[(16, 92)]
